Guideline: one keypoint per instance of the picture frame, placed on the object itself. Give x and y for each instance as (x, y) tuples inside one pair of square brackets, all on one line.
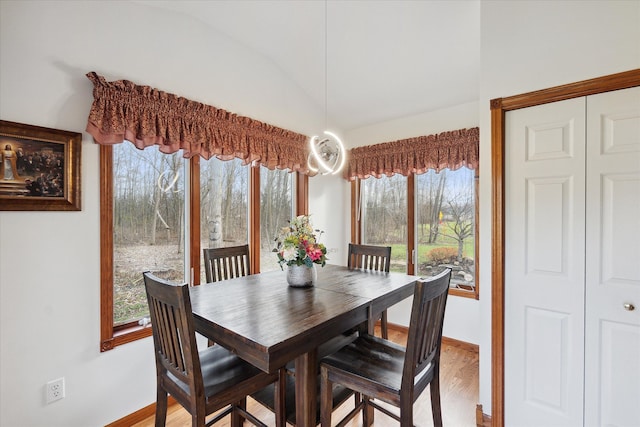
[(39, 168)]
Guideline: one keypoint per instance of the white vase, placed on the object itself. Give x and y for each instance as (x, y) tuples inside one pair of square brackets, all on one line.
[(301, 276)]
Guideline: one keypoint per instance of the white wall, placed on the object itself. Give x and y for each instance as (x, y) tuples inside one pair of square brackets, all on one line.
[(49, 261), (531, 45)]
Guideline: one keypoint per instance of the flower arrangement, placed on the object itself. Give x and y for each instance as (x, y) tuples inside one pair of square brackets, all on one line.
[(297, 244)]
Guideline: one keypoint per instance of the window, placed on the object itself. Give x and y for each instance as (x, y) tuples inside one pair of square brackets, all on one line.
[(433, 229), (148, 207), (276, 209), (384, 218), (144, 223), (224, 205), (445, 225)]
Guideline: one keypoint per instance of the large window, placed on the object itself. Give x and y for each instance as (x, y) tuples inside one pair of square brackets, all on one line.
[(159, 210), (429, 220)]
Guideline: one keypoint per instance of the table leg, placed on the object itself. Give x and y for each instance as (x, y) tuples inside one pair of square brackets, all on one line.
[(306, 388), (367, 416)]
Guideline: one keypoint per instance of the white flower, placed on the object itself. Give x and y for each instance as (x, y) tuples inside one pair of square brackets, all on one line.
[(290, 253)]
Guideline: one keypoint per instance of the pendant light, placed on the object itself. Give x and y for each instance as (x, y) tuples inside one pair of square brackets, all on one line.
[(327, 154)]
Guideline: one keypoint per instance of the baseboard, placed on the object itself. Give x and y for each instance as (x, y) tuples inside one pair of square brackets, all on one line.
[(452, 342), (139, 415), (482, 419)]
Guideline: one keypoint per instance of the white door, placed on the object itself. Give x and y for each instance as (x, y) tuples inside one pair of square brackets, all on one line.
[(544, 264), (612, 352)]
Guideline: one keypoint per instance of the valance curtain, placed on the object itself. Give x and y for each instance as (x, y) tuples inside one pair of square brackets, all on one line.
[(147, 116), (452, 150)]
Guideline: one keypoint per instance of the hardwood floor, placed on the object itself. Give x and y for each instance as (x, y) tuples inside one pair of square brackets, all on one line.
[(458, 392)]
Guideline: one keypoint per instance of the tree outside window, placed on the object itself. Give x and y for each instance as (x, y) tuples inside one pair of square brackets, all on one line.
[(444, 227)]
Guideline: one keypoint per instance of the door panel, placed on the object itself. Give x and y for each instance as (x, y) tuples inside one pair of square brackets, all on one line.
[(547, 225), (612, 341), (544, 264), (545, 375)]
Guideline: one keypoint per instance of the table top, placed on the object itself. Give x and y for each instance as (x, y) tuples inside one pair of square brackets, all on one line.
[(269, 323)]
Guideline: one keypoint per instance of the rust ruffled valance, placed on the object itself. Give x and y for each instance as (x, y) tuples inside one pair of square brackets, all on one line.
[(452, 150), (147, 116)]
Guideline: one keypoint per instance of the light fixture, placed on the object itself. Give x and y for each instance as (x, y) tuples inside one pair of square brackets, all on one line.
[(327, 154)]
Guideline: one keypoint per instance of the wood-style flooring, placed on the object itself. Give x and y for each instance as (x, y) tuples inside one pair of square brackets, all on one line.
[(459, 395)]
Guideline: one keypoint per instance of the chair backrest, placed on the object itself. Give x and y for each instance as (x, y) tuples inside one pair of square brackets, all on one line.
[(369, 257), (174, 339), (226, 263), (424, 338)]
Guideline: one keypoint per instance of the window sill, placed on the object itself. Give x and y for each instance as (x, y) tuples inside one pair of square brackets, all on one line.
[(124, 336), (463, 293)]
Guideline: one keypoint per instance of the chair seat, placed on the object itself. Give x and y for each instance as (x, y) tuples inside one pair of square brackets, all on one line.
[(223, 370), (374, 358)]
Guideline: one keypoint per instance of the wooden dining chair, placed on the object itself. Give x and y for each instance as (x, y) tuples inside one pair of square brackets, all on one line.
[(202, 382), (380, 369), (226, 263), (369, 257)]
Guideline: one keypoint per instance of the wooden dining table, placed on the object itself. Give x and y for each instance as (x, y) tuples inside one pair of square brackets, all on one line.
[(268, 323)]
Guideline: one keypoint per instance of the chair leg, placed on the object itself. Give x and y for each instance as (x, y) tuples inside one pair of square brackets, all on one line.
[(435, 399), (161, 407), (367, 412), (406, 413), (383, 326), (236, 418), (280, 397), (199, 417), (326, 398)]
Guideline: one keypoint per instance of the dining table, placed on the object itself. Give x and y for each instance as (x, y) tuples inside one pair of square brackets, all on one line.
[(269, 323)]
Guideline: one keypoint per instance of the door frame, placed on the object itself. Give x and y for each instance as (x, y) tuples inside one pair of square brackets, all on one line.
[(499, 107)]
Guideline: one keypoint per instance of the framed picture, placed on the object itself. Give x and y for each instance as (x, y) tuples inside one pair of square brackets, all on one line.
[(39, 168)]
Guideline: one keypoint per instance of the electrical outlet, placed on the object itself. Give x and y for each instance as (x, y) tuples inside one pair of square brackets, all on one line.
[(55, 390)]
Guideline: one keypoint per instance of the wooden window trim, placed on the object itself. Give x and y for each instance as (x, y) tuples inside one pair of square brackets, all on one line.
[(110, 336), (254, 218)]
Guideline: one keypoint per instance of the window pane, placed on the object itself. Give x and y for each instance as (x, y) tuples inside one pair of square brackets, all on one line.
[(148, 193), (276, 210), (384, 216), (446, 225), (223, 205)]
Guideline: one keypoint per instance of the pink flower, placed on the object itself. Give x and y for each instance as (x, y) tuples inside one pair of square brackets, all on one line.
[(314, 253)]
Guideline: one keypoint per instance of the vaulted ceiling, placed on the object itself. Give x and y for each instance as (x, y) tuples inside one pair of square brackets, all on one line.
[(366, 61)]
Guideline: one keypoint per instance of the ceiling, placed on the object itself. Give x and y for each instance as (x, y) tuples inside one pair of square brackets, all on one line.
[(377, 60)]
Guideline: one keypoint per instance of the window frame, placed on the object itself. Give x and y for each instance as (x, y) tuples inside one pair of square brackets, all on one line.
[(356, 227), (112, 336)]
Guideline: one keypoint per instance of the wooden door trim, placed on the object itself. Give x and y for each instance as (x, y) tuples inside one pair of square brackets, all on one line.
[(355, 211), (499, 107)]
